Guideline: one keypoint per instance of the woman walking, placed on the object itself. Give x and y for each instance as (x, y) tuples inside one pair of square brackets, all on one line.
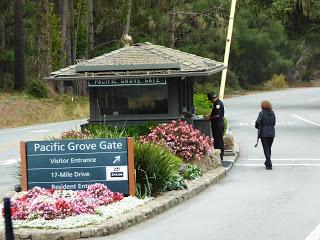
[(265, 124)]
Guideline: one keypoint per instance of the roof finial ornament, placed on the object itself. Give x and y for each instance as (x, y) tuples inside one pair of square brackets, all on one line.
[(126, 39)]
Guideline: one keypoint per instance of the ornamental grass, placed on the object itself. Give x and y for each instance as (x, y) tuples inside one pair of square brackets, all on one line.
[(155, 167)]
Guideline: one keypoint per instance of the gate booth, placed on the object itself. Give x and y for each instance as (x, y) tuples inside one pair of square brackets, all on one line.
[(140, 83)]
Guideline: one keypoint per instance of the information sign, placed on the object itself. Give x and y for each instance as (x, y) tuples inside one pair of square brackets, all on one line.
[(76, 164)]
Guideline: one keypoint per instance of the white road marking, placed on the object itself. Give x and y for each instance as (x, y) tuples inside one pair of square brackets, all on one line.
[(315, 234), (306, 120), (314, 100), (279, 164), (74, 123), (39, 131), (283, 159), (9, 161), (286, 123)]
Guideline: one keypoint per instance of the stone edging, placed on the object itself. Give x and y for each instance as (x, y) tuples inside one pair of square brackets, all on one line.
[(160, 204)]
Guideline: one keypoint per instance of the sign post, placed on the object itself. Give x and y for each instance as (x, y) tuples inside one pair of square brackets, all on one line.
[(8, 219), (76, 164)]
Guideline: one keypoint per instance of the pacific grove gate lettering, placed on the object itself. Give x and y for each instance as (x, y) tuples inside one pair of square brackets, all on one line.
[(127, 82), (76, 164)]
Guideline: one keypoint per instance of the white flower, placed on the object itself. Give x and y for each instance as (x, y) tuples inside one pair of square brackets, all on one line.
[(102, 213)]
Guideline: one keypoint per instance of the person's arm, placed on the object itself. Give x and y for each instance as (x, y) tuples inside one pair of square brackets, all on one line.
[(258, 121), (275, 120)]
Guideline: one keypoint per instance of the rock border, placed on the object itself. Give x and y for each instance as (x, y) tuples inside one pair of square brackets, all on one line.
[(160, 204)]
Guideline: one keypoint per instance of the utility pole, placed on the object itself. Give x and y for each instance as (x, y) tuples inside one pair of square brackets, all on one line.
[(227, 50)]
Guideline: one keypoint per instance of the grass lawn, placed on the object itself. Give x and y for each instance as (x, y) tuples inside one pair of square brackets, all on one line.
[(19, 109)]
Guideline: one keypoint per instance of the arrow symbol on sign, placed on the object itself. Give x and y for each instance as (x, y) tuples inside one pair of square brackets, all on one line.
[(116, 159)]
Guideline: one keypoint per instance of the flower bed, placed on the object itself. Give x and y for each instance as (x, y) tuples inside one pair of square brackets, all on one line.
[(182, 140), (43, 208)]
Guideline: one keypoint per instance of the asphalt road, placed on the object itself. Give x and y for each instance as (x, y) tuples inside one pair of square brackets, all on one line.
[(10, 143), (252, 203)]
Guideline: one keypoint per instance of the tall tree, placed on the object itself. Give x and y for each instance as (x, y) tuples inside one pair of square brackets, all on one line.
[(64, 16), (79, 35), (172, 25), (65, 46), (44, 60), (90, 30), (19, 68)]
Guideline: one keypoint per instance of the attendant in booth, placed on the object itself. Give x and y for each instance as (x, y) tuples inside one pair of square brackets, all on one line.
[(217, 123)]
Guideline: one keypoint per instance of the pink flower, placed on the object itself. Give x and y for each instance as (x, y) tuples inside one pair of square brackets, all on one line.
[(58, 204), (181, 138)]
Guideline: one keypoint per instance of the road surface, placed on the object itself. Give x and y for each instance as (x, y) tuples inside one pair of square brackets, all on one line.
[(252, 203), (10, 142)]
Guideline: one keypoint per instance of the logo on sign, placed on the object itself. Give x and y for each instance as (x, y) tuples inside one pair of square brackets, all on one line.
[(116, 173)]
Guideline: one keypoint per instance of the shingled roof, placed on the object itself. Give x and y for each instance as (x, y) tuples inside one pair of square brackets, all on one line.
[(140, 60)]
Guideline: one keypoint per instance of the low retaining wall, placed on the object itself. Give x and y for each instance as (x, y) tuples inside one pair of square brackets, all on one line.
[(156, 206)]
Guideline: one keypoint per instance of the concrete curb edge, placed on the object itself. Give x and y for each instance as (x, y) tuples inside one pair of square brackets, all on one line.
[(114, 225)]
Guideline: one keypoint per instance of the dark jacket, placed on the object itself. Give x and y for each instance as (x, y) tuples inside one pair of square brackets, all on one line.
[(265, 123), (217, 113)]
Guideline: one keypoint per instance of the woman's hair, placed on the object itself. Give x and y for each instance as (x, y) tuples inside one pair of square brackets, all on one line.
[(266, 105)]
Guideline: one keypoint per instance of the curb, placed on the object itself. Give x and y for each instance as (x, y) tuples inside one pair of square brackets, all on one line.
[(162, 203)]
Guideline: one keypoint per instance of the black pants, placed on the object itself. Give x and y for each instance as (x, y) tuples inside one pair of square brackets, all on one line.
[(267, 143), (217, 133)]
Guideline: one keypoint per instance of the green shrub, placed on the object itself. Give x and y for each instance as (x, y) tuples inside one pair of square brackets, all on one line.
[(108, 131), (306, 75), (38, 89), (177, 182), (190, 171), (139, 130), (155, 167), (277, 81), (225, 125), (201, 103), (17, 172), (105, 131)]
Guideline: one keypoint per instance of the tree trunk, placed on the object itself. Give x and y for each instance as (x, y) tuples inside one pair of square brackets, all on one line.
[(64, 26), (44, 61), (71, 34), (76, 30), (80, 86), (172, 28), (2, 25), (90, 30), (2, 32), (64, 16), (19, 70)]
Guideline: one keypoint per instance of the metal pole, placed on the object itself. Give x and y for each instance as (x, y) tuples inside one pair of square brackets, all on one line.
[(227, 50), (7, 218)]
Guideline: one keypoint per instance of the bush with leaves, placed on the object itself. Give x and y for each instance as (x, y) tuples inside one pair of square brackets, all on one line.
[(38, 89), (105, 131), (277, 81), (177, 182), (108, 131), (73, 134), (155, 166), (190, 171), (181, 138), (139, 130)]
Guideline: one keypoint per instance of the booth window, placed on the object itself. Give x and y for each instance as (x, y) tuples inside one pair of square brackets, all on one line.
[(151, 99)]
